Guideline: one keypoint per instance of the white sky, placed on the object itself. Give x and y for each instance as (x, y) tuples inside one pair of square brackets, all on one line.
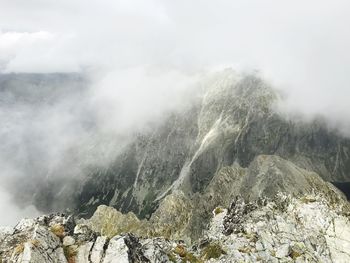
[(300, 45), (156, 48)]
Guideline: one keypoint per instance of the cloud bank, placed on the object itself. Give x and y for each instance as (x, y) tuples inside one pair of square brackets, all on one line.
[(141, 57), (301, 46)]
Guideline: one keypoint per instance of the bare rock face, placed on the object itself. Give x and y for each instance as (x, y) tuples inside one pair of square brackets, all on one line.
[(233, 123), (36, 240), (171, 220), (51, 239), (185, 217), (265, 177), (110, 222), (283, 229)]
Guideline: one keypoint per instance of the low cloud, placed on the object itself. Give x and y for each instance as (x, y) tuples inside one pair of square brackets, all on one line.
[(141, 57), (301, 46)]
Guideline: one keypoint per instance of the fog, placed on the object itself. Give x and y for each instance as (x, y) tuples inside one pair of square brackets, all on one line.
[(142, 58)]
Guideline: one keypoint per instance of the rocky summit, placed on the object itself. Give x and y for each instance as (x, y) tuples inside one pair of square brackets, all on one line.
[(280, 229), (227, 179)]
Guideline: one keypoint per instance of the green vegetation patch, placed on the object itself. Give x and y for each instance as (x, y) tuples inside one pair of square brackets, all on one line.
[(212, 251)]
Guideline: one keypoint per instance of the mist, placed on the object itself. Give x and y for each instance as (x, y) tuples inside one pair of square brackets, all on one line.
[(133, 62)]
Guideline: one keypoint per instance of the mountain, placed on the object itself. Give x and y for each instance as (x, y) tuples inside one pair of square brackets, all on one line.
[(233, 123), (226, 179), (234, 120)]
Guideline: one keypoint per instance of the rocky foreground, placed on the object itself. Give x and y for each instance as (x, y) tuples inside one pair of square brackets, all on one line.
[(281, 229)]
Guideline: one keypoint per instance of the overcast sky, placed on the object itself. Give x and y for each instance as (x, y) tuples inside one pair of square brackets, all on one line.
[(300, 45), (156, 48)]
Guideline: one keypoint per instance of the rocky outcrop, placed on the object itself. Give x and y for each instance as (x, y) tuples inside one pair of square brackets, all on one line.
[(51, 239), (278, 229), (285, 229), (171, 220), (266, 176), (36, 240)]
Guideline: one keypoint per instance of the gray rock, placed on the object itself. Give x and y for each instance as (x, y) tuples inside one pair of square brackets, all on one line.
[(97, 252), (284, 228), (68, 241), (83, 252), (117, 251), (282, 251)]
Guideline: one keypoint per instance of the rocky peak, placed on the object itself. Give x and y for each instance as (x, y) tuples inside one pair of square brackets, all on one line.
[(235, 122)]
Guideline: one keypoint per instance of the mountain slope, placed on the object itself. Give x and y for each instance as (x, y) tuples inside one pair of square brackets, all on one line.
[(234, 122), (225, 180)]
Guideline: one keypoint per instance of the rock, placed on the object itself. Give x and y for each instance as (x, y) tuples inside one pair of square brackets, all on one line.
[(135, 249), (297, 250), (282, 251), (259, 246), (279, 229), (25, 224), (172, 218), (338, 240), (4, 232), (41, 245), (236, 215), (68, 241), (285, 229), (157, 249), (83, 232), (109, 222), (81, 229), (83, 252), (98, 249), (117, 251)]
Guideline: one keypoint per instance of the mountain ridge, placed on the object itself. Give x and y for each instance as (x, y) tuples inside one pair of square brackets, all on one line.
[(228, 179), (235, 122)]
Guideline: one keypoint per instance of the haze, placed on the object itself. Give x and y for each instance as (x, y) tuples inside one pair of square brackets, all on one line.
[(141, 57)]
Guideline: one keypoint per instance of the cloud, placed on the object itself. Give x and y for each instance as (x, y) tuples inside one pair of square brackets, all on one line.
[(56, 128), (13, 213), (36, 52), (141, 56)]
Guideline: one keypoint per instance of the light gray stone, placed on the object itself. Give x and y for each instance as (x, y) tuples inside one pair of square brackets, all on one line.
[(68, 241), (282, 251), (98, 249), (83, 253), (117, 251)]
